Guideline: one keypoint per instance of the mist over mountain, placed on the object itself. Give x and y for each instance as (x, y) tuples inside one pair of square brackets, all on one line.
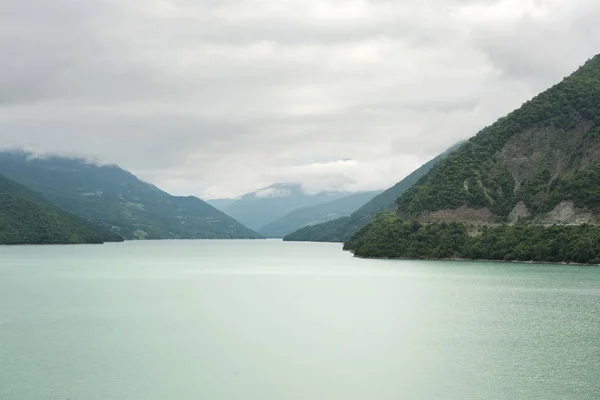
[(341, 229), (220, 204), (118, 200), (311, 215), (266, 205)]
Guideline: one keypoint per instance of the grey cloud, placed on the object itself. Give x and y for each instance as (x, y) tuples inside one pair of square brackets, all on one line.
[(540, 50), (216, 98)]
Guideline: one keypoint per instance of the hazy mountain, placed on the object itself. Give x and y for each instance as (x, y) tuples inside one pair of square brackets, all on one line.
[(27, 218), (539, 165), (116, 199), (220, 204), (316, 214), (266, 205), (342, 229)]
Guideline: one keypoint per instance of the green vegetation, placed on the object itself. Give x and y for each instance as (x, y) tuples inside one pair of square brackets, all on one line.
[(342, 229), (582, 186), (391, 237), (331, 231), (543, 153), (117, 200), (26, 218), (320, 213)]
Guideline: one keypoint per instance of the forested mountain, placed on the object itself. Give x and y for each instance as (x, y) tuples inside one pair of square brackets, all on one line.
[(538, 166), (266, 205), (117, 200), (540, 162), (316, 214), (341, 229), (27, 218)]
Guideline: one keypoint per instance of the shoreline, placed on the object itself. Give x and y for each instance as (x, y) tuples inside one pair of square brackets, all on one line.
[(131, 240), (52, 244), (531, 262)]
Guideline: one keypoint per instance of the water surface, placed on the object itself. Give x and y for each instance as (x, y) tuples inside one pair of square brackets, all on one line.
[(254, 320)]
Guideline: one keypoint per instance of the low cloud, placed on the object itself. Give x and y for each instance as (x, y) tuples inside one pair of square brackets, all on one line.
[(272, 192), (221, 98)]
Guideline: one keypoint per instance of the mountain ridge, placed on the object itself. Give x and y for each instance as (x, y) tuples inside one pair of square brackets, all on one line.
[(27, 218), (115, 198), (524, 165), (342, 229), (315, 214), (264, 206)]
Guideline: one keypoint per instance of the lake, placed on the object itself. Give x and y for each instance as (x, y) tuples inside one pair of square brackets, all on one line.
[(272, 320)]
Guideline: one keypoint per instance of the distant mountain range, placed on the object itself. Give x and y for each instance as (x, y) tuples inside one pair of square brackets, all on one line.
[(341, 229), (265, 206), (316, 214), (27, 218), (117, 200), (221, 204)]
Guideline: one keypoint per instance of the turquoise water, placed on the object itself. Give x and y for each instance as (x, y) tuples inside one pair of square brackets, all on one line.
[(274, 320)]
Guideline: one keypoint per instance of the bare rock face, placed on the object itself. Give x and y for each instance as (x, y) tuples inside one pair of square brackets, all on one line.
[(566, 213), (545, 149), (520, 211), (460, 214)]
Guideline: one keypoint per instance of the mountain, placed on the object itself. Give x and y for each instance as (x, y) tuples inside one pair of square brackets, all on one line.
[(538, 166), (220, 204), (27, 218), (116, 199), (342, 229), (266, 205), (316, 214), (541, 162)]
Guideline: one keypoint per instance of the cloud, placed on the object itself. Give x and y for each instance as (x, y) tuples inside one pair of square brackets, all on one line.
[(272, 192), (219, 98)]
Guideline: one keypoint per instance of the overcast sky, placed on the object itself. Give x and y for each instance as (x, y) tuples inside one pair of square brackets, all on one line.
[(220, 97)]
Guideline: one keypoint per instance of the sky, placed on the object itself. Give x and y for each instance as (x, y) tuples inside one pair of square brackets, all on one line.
[(216, 98)]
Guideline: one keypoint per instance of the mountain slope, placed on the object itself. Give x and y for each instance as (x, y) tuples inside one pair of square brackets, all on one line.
[(539, 162), (260, 208), (220, 204), (316, 214), (337, 230), (116, 199), (27, 218), (537, 169), (341, 229)]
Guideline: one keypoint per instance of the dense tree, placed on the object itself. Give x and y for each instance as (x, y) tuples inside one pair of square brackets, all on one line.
[(27, 218), (543, 154), (389, 236), (556, 140)]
